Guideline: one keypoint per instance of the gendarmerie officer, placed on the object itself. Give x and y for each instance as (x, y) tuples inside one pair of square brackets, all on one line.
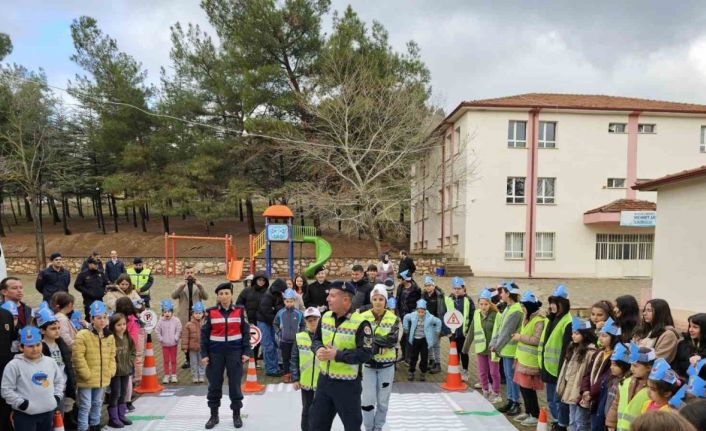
[(343, 342)]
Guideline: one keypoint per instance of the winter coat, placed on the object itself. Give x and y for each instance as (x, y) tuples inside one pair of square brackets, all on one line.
[(287, 323), (67, 331), (362, 293), (435, 302), (32, 386), (432, 327), (316, 294), (384, 275), (407, 298), (168, 331), (8, 334), (137, 332), (665, 345), (251, 296), (114, 293), (24, 318), (571, 376), (685, 350), (407, 264), (181, 293), (271, 302), (191, 336), (124, 355), (50, 281), (70, 374), (91, 284), (114, 270), (93, 358), (597, 372)]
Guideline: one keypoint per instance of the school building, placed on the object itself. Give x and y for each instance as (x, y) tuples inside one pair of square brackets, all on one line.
[(680, 241), (540, 185)]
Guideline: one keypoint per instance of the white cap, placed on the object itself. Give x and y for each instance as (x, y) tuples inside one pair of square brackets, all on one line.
[(379, 289), (312, 311)]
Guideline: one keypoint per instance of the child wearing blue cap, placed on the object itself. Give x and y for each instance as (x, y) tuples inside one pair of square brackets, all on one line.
[(632, 392), (32, 384), (94, 361), (485, 324), (287, 322), (458, 300), (662, 384), (191, 343), (436, 305), (502, 344), (421, 328), (124, 362), (168, 331)]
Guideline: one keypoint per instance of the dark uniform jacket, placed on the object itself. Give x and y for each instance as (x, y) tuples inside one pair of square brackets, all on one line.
[(50, 281)]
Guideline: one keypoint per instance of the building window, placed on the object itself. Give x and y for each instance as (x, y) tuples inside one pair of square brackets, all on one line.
[(645, 128), (545, 190), (457, 143), (515, 190), (514, 245), (547, 134), (611, 246), (448, 147), (617, 127), (703, 139), (544, 245), (616, 183), (516, 134), (455, 240)]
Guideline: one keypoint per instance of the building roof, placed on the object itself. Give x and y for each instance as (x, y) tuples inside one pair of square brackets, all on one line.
[(653, 185), (624, 205), (278, 211), (593, 102)]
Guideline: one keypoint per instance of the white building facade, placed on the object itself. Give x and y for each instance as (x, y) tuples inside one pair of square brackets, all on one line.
[(550, 174)]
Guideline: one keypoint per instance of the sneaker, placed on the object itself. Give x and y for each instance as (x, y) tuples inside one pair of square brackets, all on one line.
[(194, 380), (514, 410), (165, 379), (201, 380), (530, 421), (464, 375), (506, 407), (174, 379), (477, 386), (495, 398), (486, 394), (520, 417)]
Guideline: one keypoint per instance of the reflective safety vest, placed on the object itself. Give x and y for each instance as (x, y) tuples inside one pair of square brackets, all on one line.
[(388, 321), (479, 340), (508, 351), (628, 410), (225, 330), (342, 338), (527, 354), (308, 371), (139, 280), (466, 310), (551, 348)]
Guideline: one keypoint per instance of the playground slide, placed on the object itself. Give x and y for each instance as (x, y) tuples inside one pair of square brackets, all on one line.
[(323, 253)]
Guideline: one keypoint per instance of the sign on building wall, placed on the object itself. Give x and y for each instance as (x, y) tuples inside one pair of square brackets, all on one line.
[(638, 218)]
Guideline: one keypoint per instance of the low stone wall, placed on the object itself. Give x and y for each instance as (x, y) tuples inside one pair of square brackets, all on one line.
[(215, 266)]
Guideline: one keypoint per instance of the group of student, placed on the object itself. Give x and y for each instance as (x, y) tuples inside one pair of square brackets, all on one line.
[(601, 373)]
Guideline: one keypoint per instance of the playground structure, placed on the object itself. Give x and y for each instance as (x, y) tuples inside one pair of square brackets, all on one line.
[(234, 267), (276, 231)]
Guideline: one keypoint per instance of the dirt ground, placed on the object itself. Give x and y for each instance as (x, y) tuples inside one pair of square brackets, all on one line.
[(130, 240)]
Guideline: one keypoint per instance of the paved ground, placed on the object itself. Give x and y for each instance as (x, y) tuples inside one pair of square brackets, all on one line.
[(583, 293)]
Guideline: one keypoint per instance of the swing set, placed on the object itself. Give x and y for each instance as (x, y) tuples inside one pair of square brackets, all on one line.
[(234, 267)]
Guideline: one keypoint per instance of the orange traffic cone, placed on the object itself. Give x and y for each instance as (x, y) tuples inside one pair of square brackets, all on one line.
[(542, 424), (453, 376), (149, 372), (251, 385), (58, 422)]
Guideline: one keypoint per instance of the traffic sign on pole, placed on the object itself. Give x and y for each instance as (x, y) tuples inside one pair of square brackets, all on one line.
[(453, 319), (255, 336)]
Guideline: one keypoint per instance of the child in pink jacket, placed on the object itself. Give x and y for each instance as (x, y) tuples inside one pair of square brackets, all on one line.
[(168, 333)]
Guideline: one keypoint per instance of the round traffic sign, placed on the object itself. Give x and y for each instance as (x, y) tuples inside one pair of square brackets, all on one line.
[(150, 319), (255, 336), (453, 319)]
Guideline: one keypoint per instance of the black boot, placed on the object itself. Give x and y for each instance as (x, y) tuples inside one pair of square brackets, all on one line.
[(436, 368), (422, 377), (410, 376), (506, 407), (213, 420), (557, 427), (237, 420), (514, 410)]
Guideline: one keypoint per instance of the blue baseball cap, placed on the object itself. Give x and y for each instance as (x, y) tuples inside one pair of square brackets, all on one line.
[(636, 356), (166, 305), (197, 307), (345, 286), (528, 296), (458, 283), (290, 294), (485, 294), (45, 317), (428, 280), (620, 354), (11, 307), (560, 291), (579, 324), (610, 327), (422, 304), (29, 336), (98, 309)]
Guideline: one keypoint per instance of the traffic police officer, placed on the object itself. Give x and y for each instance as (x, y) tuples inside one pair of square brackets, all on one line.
[(225, 345), (142, 279), (343, 342)]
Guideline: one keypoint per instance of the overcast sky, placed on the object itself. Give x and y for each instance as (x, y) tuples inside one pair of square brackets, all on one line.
[(475, 50)]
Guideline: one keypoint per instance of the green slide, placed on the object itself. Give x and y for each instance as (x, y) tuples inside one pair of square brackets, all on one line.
[(323, 253)]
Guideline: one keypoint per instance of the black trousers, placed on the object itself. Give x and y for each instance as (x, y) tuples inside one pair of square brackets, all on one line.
[(286, 348), (39, 422), (529, 396), (307, 399), (217, 363), (333, 397), (5, 412), (405, 346), (419, 346), (118, 390), (87, 309)]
